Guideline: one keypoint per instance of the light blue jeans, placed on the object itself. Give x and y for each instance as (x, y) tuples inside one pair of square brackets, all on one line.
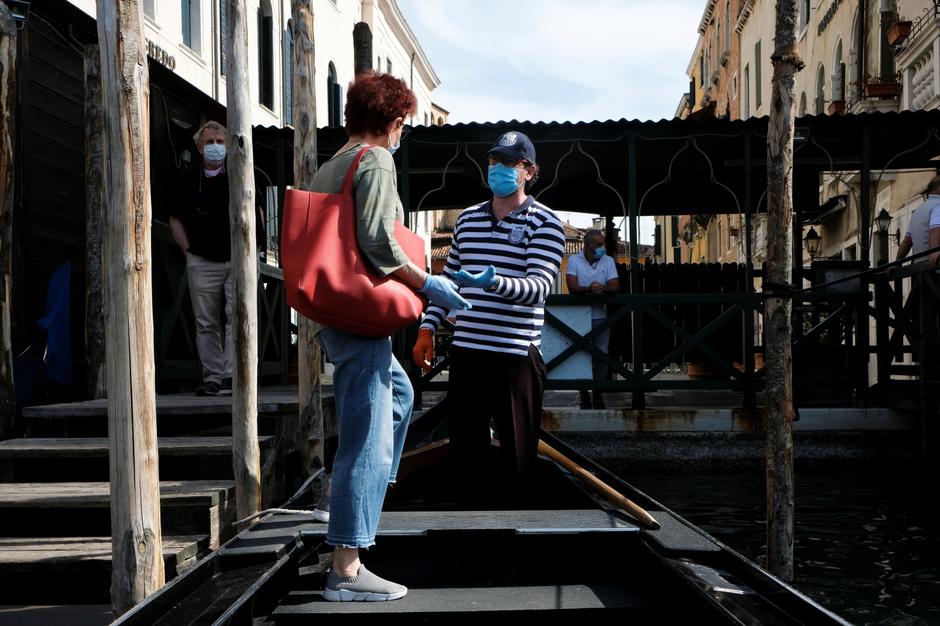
[(373, 407)]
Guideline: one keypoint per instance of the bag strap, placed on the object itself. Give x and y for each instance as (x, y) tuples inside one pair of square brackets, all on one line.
[(348, 181)]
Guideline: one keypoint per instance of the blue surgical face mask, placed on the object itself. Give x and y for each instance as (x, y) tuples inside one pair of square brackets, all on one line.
[(392, 149), (599, 252), (214, 152), (503, 180)]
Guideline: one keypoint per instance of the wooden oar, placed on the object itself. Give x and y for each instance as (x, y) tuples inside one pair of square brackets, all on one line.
[(600, 486)]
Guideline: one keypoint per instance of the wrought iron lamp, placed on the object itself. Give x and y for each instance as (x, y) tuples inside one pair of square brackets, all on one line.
[(883, 222), (812, 241)]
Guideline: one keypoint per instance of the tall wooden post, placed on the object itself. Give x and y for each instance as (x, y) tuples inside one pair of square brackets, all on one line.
[(304, 107), (778, 305), (7, 109), (246, 455), (94, 221), (136, 548)]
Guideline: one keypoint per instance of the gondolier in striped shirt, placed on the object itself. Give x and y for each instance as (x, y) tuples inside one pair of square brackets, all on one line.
[(505, 255)]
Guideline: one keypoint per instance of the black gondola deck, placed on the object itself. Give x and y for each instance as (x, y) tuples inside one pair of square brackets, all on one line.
[(569, 554)]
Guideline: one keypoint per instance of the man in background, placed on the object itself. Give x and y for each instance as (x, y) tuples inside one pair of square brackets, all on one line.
[(591, 272), (199, 220)]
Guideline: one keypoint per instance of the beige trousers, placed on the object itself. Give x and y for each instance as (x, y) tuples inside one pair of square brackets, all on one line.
[(211, 284)]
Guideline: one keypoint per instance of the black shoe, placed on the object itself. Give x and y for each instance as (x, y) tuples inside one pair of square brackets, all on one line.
[(225, 389), (585, 400), (208, 388), (599, 402)]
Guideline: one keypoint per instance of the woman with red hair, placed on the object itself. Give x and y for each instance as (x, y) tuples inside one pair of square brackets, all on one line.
[(372, 393)]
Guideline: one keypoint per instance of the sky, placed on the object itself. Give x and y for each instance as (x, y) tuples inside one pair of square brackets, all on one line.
[(558, 60)]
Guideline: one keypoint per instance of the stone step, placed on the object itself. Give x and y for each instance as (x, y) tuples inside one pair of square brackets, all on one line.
[(60, 570), (54, 459), (196, 507)]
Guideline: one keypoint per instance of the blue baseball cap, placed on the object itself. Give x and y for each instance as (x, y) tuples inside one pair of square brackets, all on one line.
[(514, 145)]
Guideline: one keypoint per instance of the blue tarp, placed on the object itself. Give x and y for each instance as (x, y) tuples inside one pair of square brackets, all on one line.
[(57, 359)]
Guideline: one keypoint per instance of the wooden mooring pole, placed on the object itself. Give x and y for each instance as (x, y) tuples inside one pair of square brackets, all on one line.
[(778, 305), (304, 107), (94, 220), (7, 110), (246, 454), (136, 542)]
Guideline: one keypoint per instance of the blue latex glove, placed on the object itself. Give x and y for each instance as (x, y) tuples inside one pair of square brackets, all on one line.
[(484, 279), (443, 292)]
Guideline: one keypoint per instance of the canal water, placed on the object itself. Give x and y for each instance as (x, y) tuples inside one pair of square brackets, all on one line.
[(867, 546)]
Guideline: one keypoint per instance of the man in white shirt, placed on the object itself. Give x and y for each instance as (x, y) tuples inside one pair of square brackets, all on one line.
[(924, 230), (592, 272)]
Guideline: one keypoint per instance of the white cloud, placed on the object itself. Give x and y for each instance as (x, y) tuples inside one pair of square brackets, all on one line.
[(556, 60)]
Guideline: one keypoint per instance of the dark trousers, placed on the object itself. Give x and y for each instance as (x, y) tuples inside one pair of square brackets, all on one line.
[(509, 389)]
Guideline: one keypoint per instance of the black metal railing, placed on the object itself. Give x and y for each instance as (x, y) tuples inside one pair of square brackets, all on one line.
[(717, 338), (906, 312)]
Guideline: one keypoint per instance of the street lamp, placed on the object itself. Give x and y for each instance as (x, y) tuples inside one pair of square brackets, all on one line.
[(812, 241), (883, 222)]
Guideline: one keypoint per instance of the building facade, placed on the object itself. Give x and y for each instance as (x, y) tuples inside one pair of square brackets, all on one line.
[(715, 90), (859, 57), (187, 86), (189, 33)]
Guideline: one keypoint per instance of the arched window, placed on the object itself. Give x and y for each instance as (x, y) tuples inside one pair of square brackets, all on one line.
[(288, 72), (265, 54), (838, 74), (727, 25), (821, 90), (332, 98), (802, 109)]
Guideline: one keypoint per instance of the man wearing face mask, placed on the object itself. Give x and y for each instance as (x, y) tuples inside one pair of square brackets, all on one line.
[(505, 256), (592, 272), (199, 220)]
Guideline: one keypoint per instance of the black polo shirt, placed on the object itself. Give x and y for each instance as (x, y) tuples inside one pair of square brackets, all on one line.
[(201, 204)]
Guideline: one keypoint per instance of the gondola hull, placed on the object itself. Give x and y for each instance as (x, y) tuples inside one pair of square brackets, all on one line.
[(568, 553)]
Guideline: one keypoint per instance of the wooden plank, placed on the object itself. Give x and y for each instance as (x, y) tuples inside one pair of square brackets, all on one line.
[(48, 101), (48, 72), (95, 495), (179, 405), (98, 446), (50, 552), (48, 47), (48, 150)]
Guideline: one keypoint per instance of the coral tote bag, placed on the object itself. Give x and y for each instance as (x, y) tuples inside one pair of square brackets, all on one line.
[(326, 277)]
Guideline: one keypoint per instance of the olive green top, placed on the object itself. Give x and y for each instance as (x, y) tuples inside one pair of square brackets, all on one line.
[(378, 206)]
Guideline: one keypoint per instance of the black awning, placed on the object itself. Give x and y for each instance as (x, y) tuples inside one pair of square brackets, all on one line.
[(828, 209), (695, 166)]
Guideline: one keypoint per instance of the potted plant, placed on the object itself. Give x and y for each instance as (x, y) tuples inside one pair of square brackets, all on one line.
[(898, 32), (882, 88)]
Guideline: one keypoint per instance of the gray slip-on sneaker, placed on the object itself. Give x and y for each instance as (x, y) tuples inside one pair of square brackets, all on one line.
[(322, 512), (363, 587)]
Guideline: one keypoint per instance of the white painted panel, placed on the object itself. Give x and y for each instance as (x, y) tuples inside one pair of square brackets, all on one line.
[(578, 365)]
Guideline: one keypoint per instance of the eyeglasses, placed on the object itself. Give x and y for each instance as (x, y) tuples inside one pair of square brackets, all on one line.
[(506, 160)]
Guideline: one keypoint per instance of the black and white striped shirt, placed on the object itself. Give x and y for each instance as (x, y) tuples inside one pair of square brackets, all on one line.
[(526, 248)]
